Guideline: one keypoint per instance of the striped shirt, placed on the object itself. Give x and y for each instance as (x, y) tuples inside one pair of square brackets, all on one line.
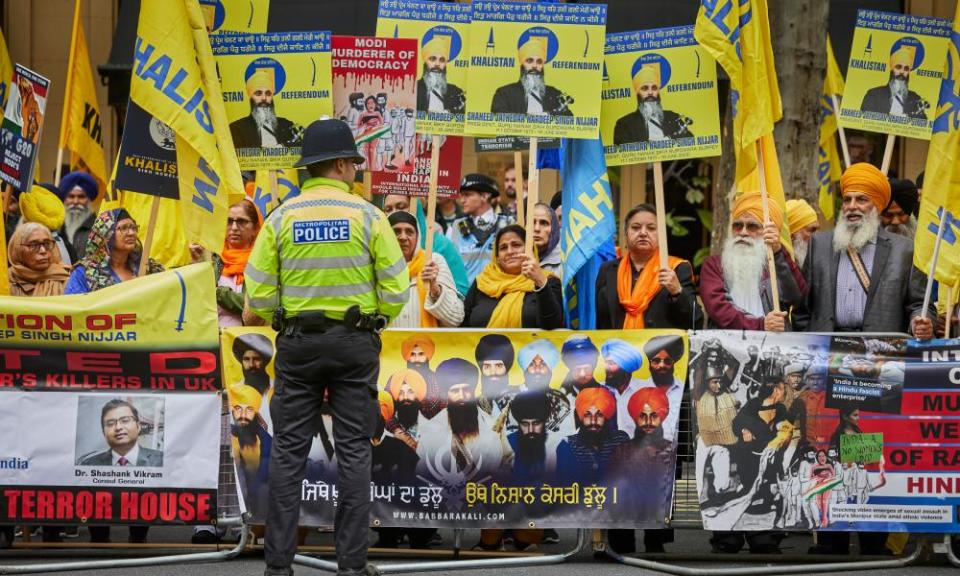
[(851, 297)]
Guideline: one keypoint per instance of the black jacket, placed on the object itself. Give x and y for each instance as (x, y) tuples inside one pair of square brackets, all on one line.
[(246, 134), (878, 100), (80, 237), (454, 100), (633, 128), (665, 311), (511, 99), (543, 309)]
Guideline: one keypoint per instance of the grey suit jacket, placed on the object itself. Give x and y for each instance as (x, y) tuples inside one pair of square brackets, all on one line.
[(146, 457), (896, 286)]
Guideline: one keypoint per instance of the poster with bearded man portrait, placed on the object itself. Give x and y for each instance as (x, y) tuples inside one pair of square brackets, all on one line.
[(274, 85), (893, 79), (481, 429)]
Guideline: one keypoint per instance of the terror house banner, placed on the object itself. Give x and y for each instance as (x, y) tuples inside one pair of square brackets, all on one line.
[(659, 98), (274, 86), (843, 433), (893, 79), (495, 430), (127, 384)]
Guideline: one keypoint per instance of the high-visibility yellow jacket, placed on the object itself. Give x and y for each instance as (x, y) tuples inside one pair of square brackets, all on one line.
[(326, 250)]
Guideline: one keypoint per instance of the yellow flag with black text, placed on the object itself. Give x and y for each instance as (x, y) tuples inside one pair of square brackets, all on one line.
[(829, 168)]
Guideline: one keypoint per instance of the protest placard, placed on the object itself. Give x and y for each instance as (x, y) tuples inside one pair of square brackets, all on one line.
[(22, 126)]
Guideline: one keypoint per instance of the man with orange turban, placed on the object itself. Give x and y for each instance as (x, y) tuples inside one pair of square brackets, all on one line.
[(583, 457), (530, 94), (262, 128), (895, 97), (803, 223), (862, 277), (735, 285), (417, 351)]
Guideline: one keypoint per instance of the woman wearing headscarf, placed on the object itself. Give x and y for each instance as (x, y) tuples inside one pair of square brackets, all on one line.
[(35, 264), (513, 291), (113, 254), (546, 237)]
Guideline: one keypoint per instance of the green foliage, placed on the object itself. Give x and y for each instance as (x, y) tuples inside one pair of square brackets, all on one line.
[(701, 255)]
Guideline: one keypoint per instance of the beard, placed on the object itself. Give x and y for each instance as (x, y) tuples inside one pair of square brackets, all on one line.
[(408, 413), (435, 79), (652, 109), (421, 368), (264, 116), (648, 434), (898, 86), (494, 386), (531, 448), (537, 381), (592, 436), (533, 83), (463, 418), (908, 230), (800, 247), (618, 379), (246, 433), (259, 379), (75, 216), (855, 235), (661, 379), (743, 269)]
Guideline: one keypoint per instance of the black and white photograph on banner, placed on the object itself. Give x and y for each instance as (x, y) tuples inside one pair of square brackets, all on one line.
[(120, 431)]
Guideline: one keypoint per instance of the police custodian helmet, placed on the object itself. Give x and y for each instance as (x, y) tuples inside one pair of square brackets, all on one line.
[(328, 139)]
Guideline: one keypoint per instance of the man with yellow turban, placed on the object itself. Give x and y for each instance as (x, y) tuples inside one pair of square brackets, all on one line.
[(649, 121), (895, 98), (434, 93), (803, 223), (862, 277), (735, 285), (583, 457), (262, 128), (531, 94), (251, 443)]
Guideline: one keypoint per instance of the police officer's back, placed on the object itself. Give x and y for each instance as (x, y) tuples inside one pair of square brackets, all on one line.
[(327, 271)]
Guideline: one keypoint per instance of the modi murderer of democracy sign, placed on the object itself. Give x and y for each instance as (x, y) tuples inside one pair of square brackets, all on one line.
[(417, 182), (441, 30), (375, 92), (235, 15), (481, 429), (127, 384), (22, 125), (535, 69), (659, 98), (893, 79), (274, 86)]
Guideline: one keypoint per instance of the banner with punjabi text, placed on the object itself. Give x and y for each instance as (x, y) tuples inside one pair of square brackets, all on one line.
[(235, 15)]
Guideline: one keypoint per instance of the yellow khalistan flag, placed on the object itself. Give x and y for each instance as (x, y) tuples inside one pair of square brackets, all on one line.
[(175, 80), (829, 168), (737, 34), (941, 183), (80, 131)]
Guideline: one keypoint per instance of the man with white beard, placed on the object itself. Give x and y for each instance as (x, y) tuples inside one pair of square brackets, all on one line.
[(735, 285), (895, 97), (649, 121), (434, 93), (803, 223), (899, 216), (263, 128), (78, 190), (531, 95), (861, 277)]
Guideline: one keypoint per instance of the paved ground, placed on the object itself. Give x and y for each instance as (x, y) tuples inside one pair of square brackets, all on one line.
[(692, 543)]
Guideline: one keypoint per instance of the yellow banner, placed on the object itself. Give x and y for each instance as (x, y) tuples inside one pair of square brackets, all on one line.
[(894, 74), (235, 15), (659, 98), (829, 168), (535, 69), (6, 72)]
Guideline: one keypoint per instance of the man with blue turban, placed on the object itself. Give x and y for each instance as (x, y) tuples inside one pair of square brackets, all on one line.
[(78, 190), (580, 357), (621, 360), (538, 359)]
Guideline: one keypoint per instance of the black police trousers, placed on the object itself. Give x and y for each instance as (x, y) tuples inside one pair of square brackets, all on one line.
[(344, 363)]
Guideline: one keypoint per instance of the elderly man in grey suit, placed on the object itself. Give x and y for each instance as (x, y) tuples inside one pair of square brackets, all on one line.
[(862, 279), (120, 423)]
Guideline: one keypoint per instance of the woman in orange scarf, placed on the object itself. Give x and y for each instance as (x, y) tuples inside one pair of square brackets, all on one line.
[(35, 268)]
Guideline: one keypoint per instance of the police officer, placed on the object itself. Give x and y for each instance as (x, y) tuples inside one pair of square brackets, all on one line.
[(327, 270), (473, 234)]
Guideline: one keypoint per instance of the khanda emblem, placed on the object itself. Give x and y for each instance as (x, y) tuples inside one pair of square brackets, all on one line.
[(948, 108)]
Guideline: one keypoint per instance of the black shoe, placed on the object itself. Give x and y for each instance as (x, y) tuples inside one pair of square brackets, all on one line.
[(829, 550), (550, 536), (137, 539), (204, 537), (275, 571), (6, 539), (654, 548)]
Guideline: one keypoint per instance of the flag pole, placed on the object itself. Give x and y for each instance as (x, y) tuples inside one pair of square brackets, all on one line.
[(432, 195), (771, 263), (66, 97), (533, 190), (887, 154), (518, 185), (933, 262), (843, 135), (951, 297), (274, 193), (148, 241), (661, 213)]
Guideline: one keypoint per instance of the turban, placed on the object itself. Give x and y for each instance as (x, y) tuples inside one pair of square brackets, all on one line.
[(423, 342), (262, 79), (535, 46), (542, 348), (905, 194), (751, 204), (867, 179), (672, 344), (457, 371), (579, 349), (799, 215), (649, 73), (598, 397), (654, 397), (904, 56), (530, 406), (795, 367), (256, 342), (386, 405), (411, 378), (402, 217), (623, 354), (495, 347), (436, 45), (244, 395), (81, 179), (42, 206)]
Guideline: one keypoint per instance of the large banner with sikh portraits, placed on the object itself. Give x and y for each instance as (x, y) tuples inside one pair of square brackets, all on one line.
[(442, 31), (274, 86), (490, 429), (841, 433), (659, 98), (535, 69), (121, 390), (893, 79)]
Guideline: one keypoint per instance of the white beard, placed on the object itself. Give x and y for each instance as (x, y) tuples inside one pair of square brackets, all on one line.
[(800, 247), (436, 81), (533, 84), (74, 217), (652, 111), (742, 271), (908, 230), (265, 117), (856, 236), (898, 88)]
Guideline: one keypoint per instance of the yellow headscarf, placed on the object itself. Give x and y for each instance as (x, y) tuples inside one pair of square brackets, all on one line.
[(751, 203), (508, 289), (647, 74), (415, 267), (799, 215)]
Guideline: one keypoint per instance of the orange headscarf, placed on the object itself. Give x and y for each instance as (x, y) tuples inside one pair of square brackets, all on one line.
[(235, 259), (636, 299), (415, 266), (599, 397), (411, 378), (425, 344), (751, 203), (653, 396), (867, 179)]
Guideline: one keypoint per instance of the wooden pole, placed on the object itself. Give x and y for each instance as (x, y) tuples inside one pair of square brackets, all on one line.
[(367, 185), (518, 170), (66, 97), (432, 194), (661, 213), (771, 264), (840, 130), (533, 192), (951, 298), (887, 154), (274, 192), (933, 263), (56, 179), (148, 241)]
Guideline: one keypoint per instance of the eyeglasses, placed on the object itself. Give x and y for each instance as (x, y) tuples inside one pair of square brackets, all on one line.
[(238, 222), (46, 245), (751, 226), (123, 421), (128, 228)]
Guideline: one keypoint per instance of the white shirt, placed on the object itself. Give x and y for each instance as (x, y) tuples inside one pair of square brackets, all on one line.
[(654, 132), (624, 422), (131, 456), (436, 103), (267, 139), (447, 309), (896, 106), (674, 396), (488, 217), (534, 106)]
